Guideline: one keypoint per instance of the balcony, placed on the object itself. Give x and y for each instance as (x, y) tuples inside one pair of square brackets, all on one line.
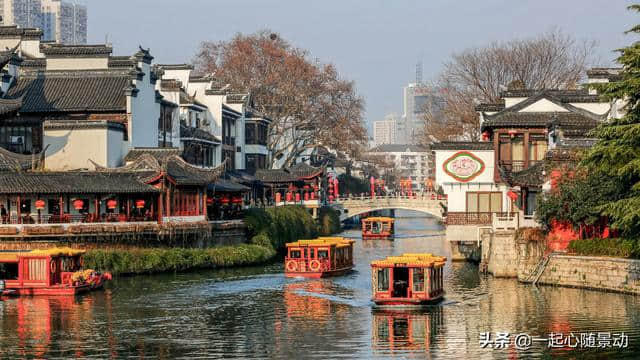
[(476, 218), (516, 165)]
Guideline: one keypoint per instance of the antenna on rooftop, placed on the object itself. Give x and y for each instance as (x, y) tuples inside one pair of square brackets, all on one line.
[(419, 72)]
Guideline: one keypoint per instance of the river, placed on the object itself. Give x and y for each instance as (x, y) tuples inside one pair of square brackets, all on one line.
[(258, 313)]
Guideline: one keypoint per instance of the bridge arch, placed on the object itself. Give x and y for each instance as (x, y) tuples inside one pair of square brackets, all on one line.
[(357, 206)]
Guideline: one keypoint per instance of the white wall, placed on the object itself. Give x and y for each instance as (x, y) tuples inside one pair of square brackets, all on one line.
[(68, 63), (144, 112), (544, 105), (456, 190), (72, 149)]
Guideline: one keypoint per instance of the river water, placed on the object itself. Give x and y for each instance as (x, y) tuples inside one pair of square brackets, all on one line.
[(258, 313)]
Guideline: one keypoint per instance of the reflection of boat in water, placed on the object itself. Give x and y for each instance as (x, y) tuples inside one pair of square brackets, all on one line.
[(56, 271), (380, 228), (393, 330), (324, 256), (300, 304), (410, 280)]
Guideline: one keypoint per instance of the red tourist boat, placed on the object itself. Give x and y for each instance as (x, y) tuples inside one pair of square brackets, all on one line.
[(381, 228), (56, 271), (325, 256), (410, 280)]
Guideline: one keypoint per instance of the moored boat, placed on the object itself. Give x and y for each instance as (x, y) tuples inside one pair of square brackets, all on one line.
[(407, 281), (381, 228), (56, 271), (321, 257)]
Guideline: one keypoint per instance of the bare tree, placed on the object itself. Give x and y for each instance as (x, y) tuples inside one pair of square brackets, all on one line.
[(552, 60), (309, 103)]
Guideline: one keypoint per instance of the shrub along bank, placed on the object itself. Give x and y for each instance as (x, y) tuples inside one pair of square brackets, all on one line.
[(268, 231), (618, 247), (152, 260)]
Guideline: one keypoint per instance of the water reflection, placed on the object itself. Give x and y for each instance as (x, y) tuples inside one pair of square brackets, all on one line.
[(256, 312), (402, 331)]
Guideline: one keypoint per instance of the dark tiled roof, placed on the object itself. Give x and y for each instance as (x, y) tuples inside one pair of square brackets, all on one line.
[(462, 145), (236, 98), (230, 111), (222, 185), (32, 64), (490, 107), (8, 106), (148, 165), (121, 62), (170, 84), (532, 176), (611, 74), (176, 66), (10, 161), (71, 183), (13, 30), (72, 91), (536, 119), (8, 55), (399, 148), (566, 96), (188, 132), (143, 55), (304, 170), (275, 176), (160, 154), (563, 153), (186, 99), (76, 50)]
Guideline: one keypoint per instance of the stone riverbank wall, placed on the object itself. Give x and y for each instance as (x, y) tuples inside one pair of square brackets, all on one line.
[(503, 256), (200, 235)]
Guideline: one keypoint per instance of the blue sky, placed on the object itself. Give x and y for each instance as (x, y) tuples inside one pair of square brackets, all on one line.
[(376, 43)]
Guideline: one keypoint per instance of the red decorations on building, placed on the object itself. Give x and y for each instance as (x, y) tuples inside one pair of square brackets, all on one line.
[(297, 197), (225, 200), (463, 166), (335, 188), (39, 204), (139, 204), (485, 136), (78, 204), (112, 204), (278, 197), (512, 195), (237, 200)]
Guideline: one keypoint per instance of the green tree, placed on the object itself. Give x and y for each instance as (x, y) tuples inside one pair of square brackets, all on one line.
[(617, 152)]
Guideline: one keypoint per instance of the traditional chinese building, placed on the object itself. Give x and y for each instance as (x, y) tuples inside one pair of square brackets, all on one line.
[(494, 183)]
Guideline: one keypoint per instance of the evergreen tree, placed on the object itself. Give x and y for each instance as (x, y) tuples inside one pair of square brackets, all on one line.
[(617, 151)]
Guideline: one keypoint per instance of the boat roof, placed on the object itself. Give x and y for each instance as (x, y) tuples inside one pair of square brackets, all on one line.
[(14, 255), (411, 260), (323, 241), (379, 218)]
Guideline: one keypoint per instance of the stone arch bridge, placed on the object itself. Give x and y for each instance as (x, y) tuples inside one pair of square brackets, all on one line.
[(430, 204)]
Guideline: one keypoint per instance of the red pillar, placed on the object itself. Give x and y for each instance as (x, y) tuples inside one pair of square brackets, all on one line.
[(373, 187), (19, 209), (159, 208)]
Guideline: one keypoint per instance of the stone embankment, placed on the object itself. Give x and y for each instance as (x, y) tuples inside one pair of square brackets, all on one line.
[(505, 256)]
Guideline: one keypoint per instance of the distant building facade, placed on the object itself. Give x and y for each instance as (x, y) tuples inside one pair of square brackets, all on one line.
[(411, 161), (60, 21), (416, 100), (384, 131)]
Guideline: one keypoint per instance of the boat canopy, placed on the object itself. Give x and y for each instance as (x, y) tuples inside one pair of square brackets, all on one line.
[(411, 260), (12, 255), (379, 219), (323, 241)]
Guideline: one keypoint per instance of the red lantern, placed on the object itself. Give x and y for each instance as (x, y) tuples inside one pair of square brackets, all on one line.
[(512, 195), (297, 197), (278, 197), (78, 204), (225, 200), (288, 196), (139, 204), (39, 204), (237, 200), (209, 201), (112, 204)]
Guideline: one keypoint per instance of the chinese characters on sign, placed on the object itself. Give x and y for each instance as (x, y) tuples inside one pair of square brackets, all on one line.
[(523, 341)]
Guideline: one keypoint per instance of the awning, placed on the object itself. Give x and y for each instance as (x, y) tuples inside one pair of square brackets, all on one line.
[(222, 185)]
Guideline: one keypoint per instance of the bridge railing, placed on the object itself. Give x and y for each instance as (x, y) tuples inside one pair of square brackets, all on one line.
[(476, 218), (416, 196)]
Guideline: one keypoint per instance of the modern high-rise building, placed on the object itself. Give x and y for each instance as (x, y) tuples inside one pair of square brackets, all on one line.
[(384, 131), (60, 21), (64, 22), (417, 100)]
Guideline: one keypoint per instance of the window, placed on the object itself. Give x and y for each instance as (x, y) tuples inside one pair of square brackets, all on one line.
[(53, 206), (25, 207), (531, 203), (295, 254), (323, 254), (383, 279), (312, 253), (418, 279), (255, 161), (537, 147), (484, 202), (9, 271)]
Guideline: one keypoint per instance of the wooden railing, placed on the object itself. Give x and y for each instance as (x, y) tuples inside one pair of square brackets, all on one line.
[(73, 218), (516, 165), (474, 218)]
